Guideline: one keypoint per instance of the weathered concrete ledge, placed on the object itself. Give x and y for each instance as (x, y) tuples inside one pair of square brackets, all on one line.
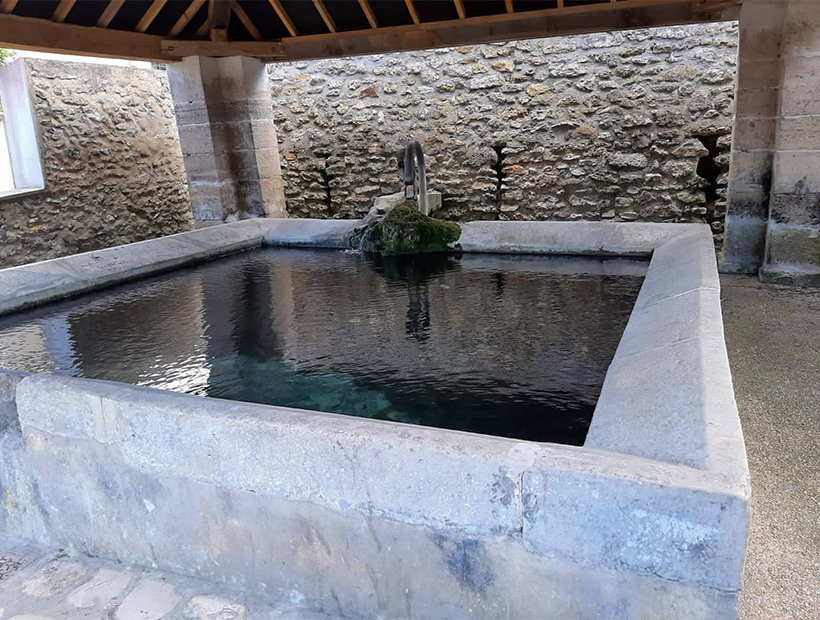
[(370, 518)]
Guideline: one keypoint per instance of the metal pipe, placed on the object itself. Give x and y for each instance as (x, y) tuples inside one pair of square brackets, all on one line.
[(415, 175)]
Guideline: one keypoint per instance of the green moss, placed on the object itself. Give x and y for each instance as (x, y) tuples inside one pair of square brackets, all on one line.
[(405, 230)]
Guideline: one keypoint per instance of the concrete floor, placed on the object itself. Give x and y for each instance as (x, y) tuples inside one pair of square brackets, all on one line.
[(773, 337)]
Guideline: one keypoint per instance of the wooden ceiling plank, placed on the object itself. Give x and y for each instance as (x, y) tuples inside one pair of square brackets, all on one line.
[(411, 8), (368, 13), (148, 18), (322, 9), (460, 9), (109, 13), (43, 35), (247, 22), (509, 6), (186, 17), (284, 17), (8, 5), (62, 10)]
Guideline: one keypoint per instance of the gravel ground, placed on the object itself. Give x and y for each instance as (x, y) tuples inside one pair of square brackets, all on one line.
[(773, 337)]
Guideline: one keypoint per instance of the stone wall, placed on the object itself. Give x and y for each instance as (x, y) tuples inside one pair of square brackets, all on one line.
[(111, 160), (631, 125)]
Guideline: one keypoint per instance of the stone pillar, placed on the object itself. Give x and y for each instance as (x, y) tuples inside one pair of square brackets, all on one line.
[(224, 115), (792, 252), (773, 207), (757, 96)]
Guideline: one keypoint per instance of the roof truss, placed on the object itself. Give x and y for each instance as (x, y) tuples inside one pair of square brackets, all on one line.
[(166, 31)]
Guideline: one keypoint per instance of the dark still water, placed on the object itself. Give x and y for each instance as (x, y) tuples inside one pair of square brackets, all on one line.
[(501, 345)]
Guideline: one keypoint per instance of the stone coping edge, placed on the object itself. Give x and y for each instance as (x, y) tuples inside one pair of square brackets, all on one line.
[(558, 501), (37, 283)]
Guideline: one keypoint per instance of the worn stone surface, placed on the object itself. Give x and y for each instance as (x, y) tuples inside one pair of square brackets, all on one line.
[(600, 126), (111, 159), (101, 589)]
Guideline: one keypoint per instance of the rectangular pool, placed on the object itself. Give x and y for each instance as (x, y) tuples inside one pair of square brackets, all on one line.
[(353, 516), (514, 346)]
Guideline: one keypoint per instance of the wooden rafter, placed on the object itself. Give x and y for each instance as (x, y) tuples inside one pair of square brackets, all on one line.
[(368, 13), (247, 22), (8, 5), (460, 9), (411, 8), (110, 11), (62, 10), (560, 4), (509, 6), (284, 17), (186, 17), (147, 19), (326, 17)]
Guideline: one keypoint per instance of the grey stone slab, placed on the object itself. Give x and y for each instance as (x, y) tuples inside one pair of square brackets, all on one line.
[(532, 237), (670, 375), (595, 238), (307, 233), (30, 285)]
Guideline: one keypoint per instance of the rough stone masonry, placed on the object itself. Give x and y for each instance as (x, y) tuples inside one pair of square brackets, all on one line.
[(630, 125), (111, 161)]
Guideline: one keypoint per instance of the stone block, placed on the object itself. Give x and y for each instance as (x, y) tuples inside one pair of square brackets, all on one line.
[(796, 172), (744, 242), (759, 74), (799, 133), (757, 103), (750, 169), (791, 244), (752, 134), (800, 92)]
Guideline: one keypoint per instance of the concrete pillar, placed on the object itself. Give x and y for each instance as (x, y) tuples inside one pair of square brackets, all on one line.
[(793, 229), (773, 207), (224, 115)]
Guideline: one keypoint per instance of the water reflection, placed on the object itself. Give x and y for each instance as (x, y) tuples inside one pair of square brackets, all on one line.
[(513, 346)]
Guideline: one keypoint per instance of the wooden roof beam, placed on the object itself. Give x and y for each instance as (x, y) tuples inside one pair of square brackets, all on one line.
[(460, 9), (62, 10), (326, 17), (247, 22), (368, 13), (219, 14), (8, 5), (148, 18), (109, 13), (509, 6), (411, 8), (43, 35), (284, 17), (186, 17)]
